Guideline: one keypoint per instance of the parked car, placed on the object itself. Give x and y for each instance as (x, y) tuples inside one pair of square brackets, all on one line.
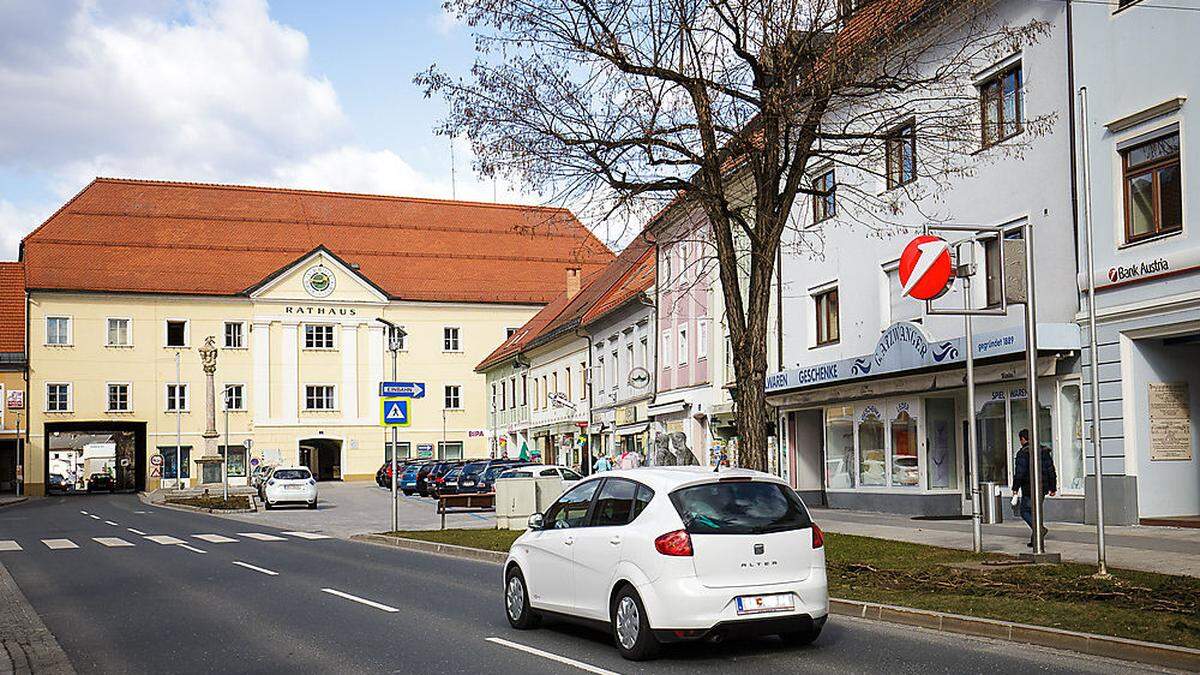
[(410, 479), (673, 554), (59, 482), (448, 483), (259, 476), (101, 482), (290, 484), (487, 479), (383, 477), (479, 476), (568, 474), (426, 479)]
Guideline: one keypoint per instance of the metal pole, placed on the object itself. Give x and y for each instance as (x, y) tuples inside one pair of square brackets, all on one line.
[(178, 429), (1035, 465), (1094, 428), (20, 457), (972, 449), (395, 451), (225, 464)]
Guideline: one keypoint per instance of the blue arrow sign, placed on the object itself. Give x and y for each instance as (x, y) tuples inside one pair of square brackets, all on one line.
[(393, 412), (404, 389)]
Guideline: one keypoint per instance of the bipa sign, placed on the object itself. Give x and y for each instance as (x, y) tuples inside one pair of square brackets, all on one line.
[(925, 268)]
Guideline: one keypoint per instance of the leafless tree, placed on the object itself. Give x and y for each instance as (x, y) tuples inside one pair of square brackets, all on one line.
[(726, 106)]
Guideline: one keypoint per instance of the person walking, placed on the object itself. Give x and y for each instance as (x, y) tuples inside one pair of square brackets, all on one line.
[(602, 464), (1022, 480)]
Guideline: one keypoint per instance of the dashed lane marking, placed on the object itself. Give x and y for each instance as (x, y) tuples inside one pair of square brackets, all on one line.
[(109, 522), (164, 539), (191, 548), (308, 535), (361, 601), (137, 532), (9, 545), (260, 536), (112, 542), (553, 657), (141, 513), (55, 544), (256, 568), (93, 516), (214, 538), (84, 512)]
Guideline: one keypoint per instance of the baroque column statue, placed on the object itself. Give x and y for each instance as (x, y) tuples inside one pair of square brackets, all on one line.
[(210, 463)]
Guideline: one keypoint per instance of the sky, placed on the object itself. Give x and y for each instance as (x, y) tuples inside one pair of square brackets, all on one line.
[(291, 93)]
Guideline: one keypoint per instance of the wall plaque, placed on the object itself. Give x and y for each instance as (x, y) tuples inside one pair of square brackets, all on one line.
[(1170, 422)]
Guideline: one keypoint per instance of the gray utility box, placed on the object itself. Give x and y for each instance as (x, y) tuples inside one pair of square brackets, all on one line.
[(519, 498)]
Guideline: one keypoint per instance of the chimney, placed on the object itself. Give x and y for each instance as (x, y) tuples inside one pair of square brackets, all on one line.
[(573, 281)]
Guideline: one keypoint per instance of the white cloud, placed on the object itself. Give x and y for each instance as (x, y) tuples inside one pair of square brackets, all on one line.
[(15, 223), (445, 22)]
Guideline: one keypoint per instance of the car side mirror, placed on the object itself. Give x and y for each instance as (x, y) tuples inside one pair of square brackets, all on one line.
[(535, 521)]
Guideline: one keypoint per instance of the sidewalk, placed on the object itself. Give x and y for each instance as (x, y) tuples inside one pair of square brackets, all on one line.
[(1167, 550)]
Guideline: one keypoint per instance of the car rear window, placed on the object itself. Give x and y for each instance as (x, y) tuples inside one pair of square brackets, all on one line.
[(516, 474), (291, 474), (740, 507), (473, 468)]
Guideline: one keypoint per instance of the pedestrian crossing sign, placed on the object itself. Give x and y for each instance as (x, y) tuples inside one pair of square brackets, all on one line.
[(393, 412)]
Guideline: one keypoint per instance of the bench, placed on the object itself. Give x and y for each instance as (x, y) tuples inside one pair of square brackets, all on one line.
[(485, 501)]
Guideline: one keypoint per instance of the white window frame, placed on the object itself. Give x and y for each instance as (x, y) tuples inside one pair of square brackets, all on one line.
[(187, 397), (70, 407), (128, 397), (667, 348), (333, 395), (225, 334), (70, 337), (187, 333), (683, 346), (457, 346), (702, 340), (333, 341), (446, 395), (225, 390), (128, 331)]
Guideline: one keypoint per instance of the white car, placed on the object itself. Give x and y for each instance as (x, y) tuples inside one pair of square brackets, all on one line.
[(542, 471), (673, 553), (290, 484)]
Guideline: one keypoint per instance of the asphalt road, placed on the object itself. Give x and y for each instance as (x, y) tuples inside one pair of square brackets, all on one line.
[(329, 605)]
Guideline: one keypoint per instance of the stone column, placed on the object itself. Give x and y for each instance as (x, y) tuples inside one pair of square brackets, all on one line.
[(211, 458)]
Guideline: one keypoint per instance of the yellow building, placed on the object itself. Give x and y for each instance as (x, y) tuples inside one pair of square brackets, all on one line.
[(129, 279)]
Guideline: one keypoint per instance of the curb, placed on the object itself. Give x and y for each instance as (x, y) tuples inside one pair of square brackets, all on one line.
[(26, 644), (145, 499), (13, 502), (1122, 649)]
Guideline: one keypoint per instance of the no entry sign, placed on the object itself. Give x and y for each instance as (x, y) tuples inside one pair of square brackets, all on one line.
[(925, 268)]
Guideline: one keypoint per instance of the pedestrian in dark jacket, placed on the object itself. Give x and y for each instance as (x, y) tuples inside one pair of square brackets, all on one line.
[(1022, 480)]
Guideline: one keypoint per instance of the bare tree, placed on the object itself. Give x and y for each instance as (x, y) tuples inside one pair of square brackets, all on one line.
[(725, 106)]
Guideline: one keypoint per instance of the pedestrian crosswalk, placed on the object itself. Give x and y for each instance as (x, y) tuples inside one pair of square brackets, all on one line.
[(63, 543)]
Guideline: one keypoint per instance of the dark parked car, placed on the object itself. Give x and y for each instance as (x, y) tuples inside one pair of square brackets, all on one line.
[(383, 477), (59, 482), (413, 476), (485, 480), (100, 482), (447, 484), (436, 470)]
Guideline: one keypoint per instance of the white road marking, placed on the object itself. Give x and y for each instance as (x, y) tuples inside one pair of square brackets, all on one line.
[(9, 545), (93, 516), (214, 538), (193, 549), (256, 568), (137, 532), (111, 542), (164, 539), (141, 512), (364, 601), (59, 543), (308, 535), (84, 512), (261, 536), (553, 657), (109, 522)]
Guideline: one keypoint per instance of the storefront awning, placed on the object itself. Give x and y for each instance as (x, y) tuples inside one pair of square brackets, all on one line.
[(904, 349), (632, 429), (666, 408)]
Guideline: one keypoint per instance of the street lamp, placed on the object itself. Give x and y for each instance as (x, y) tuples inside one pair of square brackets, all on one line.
[(395, 340)]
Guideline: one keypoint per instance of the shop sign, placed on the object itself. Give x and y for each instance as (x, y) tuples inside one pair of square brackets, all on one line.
[(925, 270), (14, 399), (626, 414), (904, 346), (1144, 269), (1170, 422)]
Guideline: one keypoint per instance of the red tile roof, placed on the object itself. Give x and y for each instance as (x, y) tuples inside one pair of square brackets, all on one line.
[(564, 314), (188, 238), (638, 279), (12, 307)]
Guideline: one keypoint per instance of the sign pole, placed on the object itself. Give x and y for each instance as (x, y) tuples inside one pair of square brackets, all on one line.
[(972, 444), (395, 451), (1102, 564), (1035, 464)]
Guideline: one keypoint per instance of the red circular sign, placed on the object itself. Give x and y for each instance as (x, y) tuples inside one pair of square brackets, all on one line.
[(925, 269)]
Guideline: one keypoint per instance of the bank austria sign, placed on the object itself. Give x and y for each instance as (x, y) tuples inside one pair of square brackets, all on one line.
[(905, 347)]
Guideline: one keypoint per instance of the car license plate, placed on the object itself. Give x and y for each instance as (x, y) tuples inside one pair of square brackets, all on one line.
[(468, 483), (757, 604), (292, 487)]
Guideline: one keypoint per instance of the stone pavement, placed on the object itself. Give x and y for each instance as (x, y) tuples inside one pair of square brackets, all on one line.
[(1168, 550), (26, 645)]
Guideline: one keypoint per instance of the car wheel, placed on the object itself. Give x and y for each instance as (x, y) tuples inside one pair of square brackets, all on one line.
[(312, 504), (408, 493), (516, 602), (801, 638), (631, 627), (267, 505)]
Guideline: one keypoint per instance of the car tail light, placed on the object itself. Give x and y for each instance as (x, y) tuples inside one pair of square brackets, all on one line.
[(818, 537), (312, 481), (677, 543), (271, 482)]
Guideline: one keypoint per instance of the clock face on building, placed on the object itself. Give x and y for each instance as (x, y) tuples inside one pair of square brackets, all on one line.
[(319, 281)]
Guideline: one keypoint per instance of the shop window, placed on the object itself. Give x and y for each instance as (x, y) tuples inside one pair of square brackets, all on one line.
[(1153, 188), (905, 466), (236, 459), (450, 449), (828, 329), (405, 451), (1018, 418), (173, 457), (990, 426), (941, 443), (1001, 105), (872, 461), (1070, 438)]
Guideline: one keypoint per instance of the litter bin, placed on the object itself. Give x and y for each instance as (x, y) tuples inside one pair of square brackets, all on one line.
[(991, 503)]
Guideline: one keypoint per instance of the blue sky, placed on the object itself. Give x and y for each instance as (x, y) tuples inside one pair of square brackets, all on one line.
[(300, 93)]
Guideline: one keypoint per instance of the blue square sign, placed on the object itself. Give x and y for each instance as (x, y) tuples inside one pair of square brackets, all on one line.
[(393, 412)]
